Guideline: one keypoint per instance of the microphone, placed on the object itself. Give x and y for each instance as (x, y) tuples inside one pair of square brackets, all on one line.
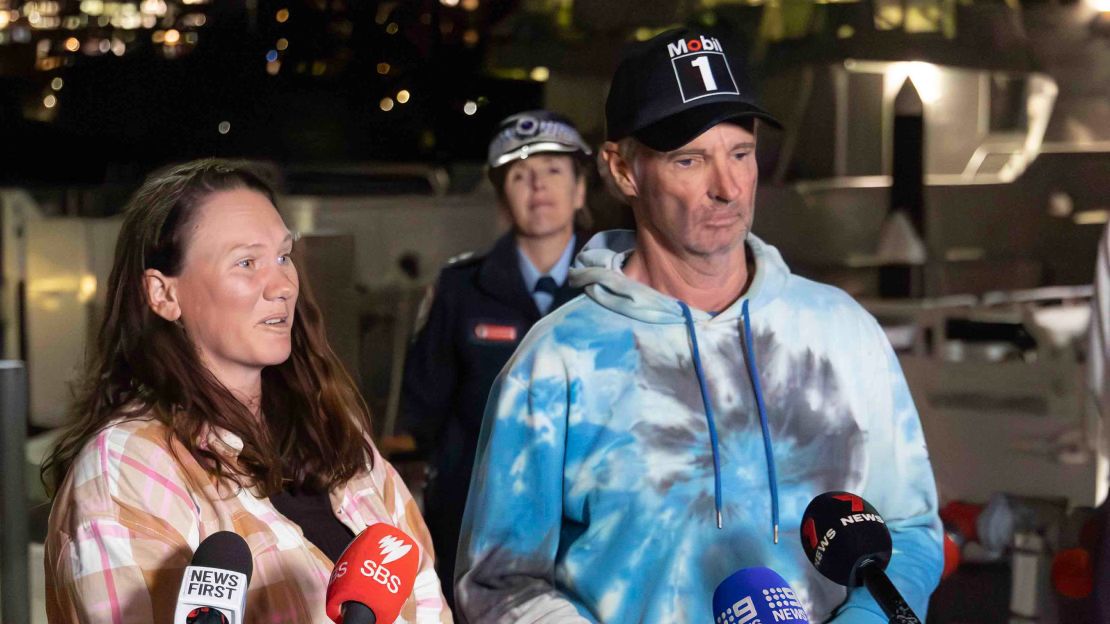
[(373, 577), (214, 586), (848, 542), (754, 595)]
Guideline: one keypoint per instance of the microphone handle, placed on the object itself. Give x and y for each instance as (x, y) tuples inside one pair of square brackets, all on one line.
[(357, 613), (886, 594)]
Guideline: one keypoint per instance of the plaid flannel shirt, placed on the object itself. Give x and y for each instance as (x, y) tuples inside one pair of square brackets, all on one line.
[(135, 505)]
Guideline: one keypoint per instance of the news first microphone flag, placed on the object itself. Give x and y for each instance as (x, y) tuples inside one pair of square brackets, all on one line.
[(217, 578)]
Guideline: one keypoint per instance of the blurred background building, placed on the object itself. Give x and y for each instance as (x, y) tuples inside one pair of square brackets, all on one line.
[(945, 161)]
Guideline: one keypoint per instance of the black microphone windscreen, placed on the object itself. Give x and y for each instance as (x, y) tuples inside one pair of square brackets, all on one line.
[(206, 615), (224, 550), (840, 532)]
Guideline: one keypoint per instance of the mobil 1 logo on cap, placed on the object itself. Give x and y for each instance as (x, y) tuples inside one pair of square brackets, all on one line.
[(701, 68)]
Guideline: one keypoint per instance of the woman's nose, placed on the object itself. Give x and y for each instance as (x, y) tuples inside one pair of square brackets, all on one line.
[(280, 285)]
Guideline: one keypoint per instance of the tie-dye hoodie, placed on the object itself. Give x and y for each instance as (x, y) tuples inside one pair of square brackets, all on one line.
[(627, 423)]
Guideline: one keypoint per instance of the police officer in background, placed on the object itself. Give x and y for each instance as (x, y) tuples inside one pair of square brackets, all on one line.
[(483, 305)]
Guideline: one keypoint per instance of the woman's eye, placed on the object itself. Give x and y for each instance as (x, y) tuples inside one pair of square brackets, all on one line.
[(246, 263), (284, 259), (685, 162)]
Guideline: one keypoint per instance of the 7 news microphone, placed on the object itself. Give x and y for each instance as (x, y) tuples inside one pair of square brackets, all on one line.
[(756, 595), (214, 586), (373, 577), (848, 542)]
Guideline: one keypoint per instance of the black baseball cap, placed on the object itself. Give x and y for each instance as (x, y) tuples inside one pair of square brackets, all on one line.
[(673, 87)]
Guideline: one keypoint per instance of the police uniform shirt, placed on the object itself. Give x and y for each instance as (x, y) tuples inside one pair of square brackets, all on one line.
[(543, 290)]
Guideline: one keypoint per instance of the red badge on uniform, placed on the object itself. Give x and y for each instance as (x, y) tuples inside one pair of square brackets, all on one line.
[(490, 332)]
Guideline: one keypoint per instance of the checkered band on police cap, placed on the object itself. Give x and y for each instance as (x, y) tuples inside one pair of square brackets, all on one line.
[(534, 132), (673, 87)]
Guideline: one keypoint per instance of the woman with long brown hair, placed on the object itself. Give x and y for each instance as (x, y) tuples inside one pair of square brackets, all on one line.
[(213, 402)]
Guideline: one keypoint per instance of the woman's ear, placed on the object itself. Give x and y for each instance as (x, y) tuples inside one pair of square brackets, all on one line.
[(161, 294)]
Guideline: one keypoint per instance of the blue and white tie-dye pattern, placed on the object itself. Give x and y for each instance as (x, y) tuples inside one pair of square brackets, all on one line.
[(593, 492)]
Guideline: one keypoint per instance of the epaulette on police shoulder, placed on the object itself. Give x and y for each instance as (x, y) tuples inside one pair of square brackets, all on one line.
[(464, 259)]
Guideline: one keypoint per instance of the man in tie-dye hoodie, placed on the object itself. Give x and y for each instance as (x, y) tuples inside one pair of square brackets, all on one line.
[(669, 426)]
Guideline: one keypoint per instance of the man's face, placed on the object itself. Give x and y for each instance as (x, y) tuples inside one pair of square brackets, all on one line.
[(699, 199)]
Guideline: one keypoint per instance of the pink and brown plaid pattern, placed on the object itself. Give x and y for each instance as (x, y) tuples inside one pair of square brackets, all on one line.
[(135, 506)]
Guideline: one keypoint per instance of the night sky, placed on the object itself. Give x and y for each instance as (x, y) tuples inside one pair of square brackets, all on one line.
[(321, 102)]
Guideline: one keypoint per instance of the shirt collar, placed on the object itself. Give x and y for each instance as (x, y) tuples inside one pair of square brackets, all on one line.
[(558, 272), (222, 441)]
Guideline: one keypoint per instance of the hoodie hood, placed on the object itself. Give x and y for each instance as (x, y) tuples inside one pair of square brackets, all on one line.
[(598, 269)]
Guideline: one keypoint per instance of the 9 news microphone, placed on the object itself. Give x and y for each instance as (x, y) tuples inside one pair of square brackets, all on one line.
[(756, 595), (373, 577), (214, 586), (848, 542)]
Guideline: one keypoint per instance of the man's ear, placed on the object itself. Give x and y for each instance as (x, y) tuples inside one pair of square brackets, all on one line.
[(161, 294), (620, 170)]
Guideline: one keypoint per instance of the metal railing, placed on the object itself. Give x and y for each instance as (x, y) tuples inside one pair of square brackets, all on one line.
[(14, 587)]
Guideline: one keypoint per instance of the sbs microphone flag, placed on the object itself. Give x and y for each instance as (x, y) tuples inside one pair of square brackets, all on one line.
[(757, 595), (214, 586), (373, 577)]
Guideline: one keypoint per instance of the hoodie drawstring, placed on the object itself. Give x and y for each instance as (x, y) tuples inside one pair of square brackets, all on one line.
[(753, 373), (708, 410)]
